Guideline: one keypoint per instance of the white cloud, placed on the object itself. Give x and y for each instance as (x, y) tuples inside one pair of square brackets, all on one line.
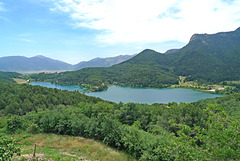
[(1, 7), (26, 37), (27, 40), (4, 19), (151, 20), (25, 34)]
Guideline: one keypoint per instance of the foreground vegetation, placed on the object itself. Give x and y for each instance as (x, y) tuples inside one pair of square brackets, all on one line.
[(204, 130), (59, 147)]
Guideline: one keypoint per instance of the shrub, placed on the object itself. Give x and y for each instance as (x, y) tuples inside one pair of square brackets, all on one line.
[(33, 129), (14, 124), (8, 148)]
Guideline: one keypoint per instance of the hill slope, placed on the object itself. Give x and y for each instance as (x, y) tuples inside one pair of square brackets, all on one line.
[(212, 58), (134, 72), (7, 77)]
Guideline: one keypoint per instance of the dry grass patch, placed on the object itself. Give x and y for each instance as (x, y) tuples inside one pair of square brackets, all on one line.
[(57, 147), (20, 81)]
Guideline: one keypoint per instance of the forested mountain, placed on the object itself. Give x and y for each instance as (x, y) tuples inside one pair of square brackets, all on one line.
[(206, 58), (37, 63), (212, 58), (134, 72), (102, 62)]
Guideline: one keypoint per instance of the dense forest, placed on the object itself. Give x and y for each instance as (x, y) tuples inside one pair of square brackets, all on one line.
[(208, 59), (203, 130), (128, 75)]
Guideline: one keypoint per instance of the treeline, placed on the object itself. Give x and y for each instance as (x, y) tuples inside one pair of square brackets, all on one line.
[(230, 103), (20, 99), (127, 75), (7, 77), (185, 131)]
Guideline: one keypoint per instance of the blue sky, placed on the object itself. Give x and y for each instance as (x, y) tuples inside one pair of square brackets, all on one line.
[(78, 30)]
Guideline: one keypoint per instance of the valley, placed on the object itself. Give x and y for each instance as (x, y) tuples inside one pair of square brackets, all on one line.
[(206, 60), (112, 80), (66, 124)]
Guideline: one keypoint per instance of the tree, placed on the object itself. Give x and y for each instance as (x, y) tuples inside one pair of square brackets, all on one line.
[(219, 141)]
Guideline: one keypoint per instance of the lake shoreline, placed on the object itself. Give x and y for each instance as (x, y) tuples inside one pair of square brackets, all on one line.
[(90, 88), (143, 95)]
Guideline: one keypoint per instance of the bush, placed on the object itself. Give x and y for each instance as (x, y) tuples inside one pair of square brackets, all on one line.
[(8, 148), (33, 129), (219, 141), (14, 124)]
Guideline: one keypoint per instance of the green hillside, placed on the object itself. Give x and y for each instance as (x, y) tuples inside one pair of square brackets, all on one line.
[(140, 71), (204, 130), (213, 58), (7, 77)]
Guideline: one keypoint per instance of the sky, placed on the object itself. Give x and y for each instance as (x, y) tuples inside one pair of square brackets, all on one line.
[(80, 30)]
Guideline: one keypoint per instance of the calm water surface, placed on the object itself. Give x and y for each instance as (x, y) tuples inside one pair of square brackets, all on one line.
[(58, 86), (151, 95), (139, 95)]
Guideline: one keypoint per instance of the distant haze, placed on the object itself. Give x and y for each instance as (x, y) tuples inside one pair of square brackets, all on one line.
[(43, 64), (78, 30)]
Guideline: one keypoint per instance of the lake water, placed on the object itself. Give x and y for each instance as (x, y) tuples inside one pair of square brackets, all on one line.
[(151, 95), (139, 95), (58, 86)]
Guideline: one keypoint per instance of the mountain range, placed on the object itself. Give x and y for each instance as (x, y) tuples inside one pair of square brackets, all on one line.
[(206, 58), (37, 63), (40, 63), (102, 62)]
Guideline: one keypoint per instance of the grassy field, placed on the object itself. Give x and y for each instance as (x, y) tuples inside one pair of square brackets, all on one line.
[(20, 81), (66, 148), (196, 86)]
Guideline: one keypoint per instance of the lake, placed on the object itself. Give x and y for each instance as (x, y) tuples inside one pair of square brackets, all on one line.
[(139, 95), (58, 86)]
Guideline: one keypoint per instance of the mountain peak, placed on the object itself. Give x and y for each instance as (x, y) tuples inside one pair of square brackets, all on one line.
[(147, 50), (37, 63), (206, 36), (39, 56), (198, 37)]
